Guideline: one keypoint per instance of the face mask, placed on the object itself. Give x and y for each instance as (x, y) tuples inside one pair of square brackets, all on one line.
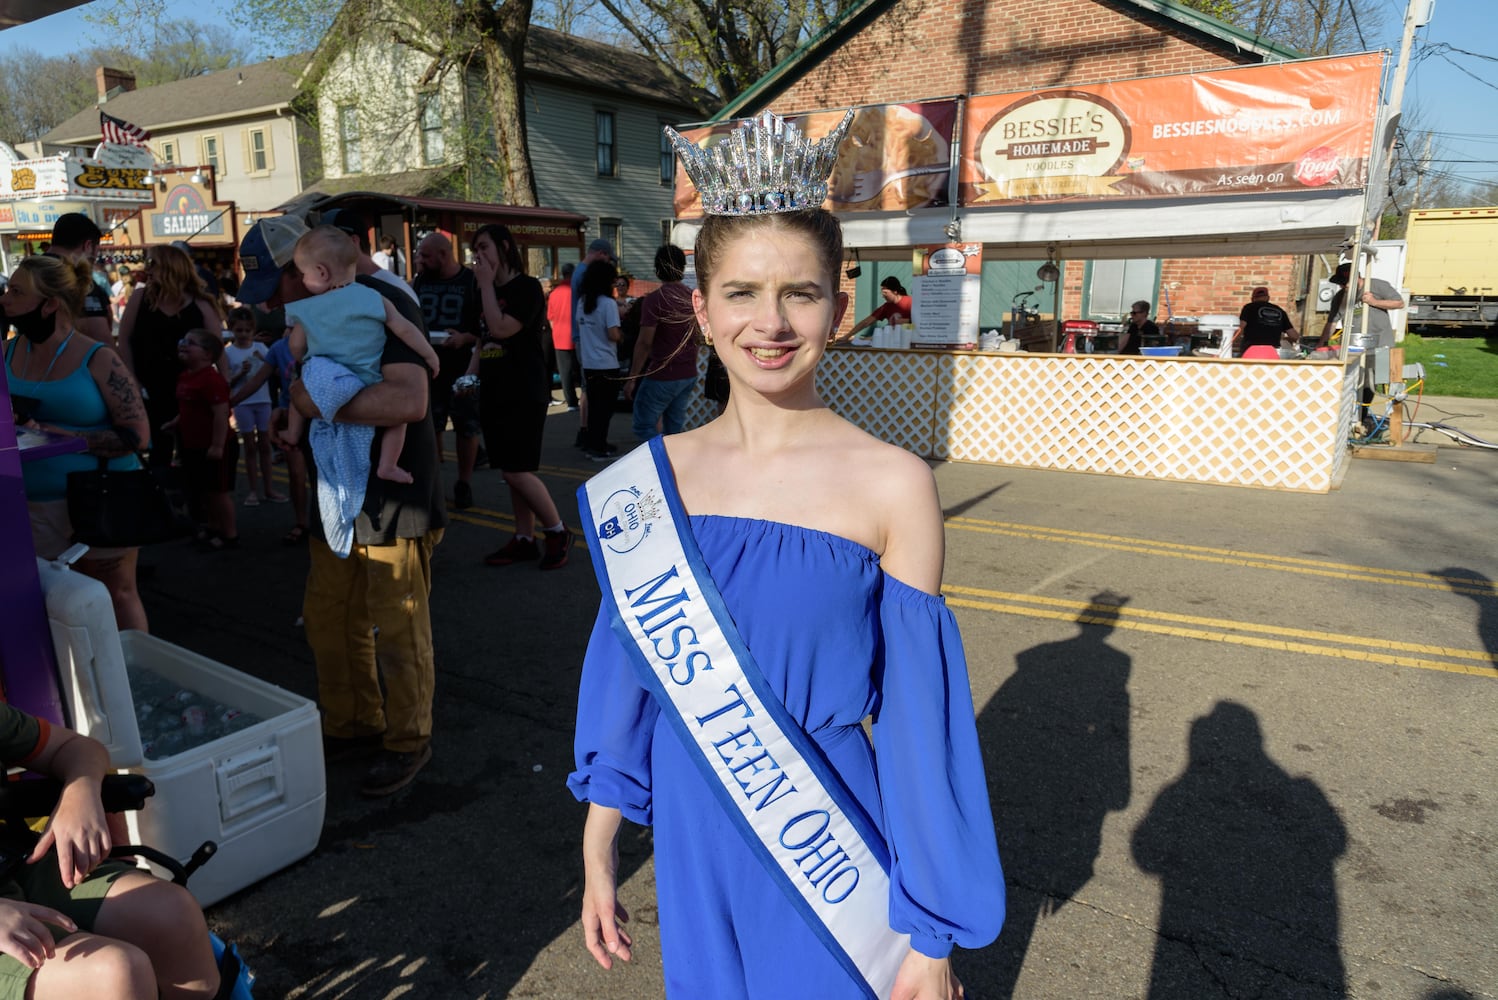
[(33, 325)]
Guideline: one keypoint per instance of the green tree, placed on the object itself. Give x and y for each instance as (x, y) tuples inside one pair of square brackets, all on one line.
[(1314, 27), (719, 45), (44, 91)]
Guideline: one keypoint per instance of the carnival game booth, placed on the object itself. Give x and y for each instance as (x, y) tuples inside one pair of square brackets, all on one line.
[(112, 185), (1263, 159), (540, 232), (184, 209)]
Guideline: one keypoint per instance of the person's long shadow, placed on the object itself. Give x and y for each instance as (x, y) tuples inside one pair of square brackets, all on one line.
[(1245, 855), (1056, 748), (1470, 583)]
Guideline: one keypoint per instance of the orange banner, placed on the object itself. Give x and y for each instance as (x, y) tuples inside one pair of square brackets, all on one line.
[(894, 157), (1247, 130)]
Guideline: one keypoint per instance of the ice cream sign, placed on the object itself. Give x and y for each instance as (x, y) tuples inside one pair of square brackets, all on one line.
[(184, 214)]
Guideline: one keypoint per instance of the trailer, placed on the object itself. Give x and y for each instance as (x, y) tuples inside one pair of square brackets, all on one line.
[(1452, 268)]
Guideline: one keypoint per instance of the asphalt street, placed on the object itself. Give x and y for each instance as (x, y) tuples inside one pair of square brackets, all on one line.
[(1240, 744)]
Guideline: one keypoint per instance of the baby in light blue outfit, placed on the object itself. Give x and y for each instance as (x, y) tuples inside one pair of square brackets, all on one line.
[(340, 330)]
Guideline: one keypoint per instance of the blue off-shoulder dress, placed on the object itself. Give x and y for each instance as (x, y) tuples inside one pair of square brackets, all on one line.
[(837, 640)]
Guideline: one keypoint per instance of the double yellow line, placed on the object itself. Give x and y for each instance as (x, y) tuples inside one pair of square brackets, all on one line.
[(1231, 557), (1293, 640)]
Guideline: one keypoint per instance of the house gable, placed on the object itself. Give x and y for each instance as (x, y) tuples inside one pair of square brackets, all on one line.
[(891, 50)]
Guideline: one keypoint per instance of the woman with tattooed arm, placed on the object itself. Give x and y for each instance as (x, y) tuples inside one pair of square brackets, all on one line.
[(75, 386)]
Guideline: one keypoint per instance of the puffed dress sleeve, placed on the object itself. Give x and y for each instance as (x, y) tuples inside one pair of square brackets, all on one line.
[(615, 726), (946, 886)]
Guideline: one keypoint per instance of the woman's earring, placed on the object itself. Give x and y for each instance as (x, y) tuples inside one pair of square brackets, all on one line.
[(707, 336)]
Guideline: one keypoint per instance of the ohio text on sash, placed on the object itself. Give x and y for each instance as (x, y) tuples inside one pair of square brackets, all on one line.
[(806, 828)]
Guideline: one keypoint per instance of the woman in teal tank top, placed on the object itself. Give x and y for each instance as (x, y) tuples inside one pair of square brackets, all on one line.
[(74, 386)]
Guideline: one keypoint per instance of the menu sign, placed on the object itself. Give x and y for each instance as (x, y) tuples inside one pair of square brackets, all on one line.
[(895, 157), (1245, 130), (947, 289)]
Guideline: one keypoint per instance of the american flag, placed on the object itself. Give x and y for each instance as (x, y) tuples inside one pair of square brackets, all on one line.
[(121, 132)]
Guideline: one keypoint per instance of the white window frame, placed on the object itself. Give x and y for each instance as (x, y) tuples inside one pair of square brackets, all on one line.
[(216, 158), (348, 114), (606, 142)]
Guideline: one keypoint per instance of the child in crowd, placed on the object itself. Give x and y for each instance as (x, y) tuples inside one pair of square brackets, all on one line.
[(209, 453), (251, 414), (344, 323)]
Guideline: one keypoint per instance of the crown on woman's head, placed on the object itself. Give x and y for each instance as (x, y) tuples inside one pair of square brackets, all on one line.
[(765, 165)]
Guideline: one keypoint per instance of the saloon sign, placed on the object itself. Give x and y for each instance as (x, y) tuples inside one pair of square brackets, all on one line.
[(185, 214)]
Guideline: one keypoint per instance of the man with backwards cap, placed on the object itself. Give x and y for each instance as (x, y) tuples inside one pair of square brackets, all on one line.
[(376, 600), (599, 249), (1377, 297)]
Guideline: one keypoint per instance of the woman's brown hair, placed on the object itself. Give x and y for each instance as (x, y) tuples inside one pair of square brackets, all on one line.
[(173, 277), (819, 226)]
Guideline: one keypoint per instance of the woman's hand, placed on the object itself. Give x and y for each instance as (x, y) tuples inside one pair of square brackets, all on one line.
[(215, 451), (602, 914), (484, 271), (603, 917), (23, 932), (924, 978)]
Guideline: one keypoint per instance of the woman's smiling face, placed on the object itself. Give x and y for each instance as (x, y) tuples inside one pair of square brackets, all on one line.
[(770, 307)]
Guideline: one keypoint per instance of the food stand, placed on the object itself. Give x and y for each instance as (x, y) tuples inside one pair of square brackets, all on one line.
[(542, 232), (1249, 159)]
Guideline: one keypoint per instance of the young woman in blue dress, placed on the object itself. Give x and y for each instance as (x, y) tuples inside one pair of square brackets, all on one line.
[(838, 602)]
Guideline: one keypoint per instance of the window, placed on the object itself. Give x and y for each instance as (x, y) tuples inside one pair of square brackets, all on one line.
[(348, 138), (610, 229), (257, 151), (603, 127), (433, 149), (1114, 285), (668, 160), (666, 226), (211, 156), (168, 152)]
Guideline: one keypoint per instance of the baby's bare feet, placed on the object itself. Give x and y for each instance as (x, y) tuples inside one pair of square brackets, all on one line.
[(394, 474)]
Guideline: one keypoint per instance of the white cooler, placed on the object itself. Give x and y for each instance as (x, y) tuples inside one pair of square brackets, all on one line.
[(259, 793)]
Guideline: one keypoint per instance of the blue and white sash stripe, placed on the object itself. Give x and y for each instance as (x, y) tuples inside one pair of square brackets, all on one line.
[(794, 812)]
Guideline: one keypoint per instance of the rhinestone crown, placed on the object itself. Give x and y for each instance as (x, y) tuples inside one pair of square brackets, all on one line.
[(765, 165)]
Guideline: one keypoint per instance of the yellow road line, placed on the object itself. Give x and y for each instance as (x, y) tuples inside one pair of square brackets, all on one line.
[(1240, 640), (1249, 560), (1114, 613)]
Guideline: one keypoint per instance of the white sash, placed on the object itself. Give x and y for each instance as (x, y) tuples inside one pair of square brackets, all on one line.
[(808, 831)]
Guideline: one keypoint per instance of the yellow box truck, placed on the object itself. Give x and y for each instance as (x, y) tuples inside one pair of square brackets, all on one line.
[(1451, 270)]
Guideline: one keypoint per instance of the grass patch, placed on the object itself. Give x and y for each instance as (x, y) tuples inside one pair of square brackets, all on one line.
[(1456, 366)]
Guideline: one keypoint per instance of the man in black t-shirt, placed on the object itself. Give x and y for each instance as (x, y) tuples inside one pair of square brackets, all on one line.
[(368, 617), (1261, 323), (449, 295), (75, 237)]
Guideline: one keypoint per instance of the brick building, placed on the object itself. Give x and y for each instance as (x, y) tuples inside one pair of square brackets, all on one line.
[(892, 51)]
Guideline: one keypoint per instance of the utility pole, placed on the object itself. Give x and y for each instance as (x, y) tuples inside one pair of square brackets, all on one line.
[(1417, 14), (1420, 170)]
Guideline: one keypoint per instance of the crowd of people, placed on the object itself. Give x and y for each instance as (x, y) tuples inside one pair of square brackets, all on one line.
[(352, 391)]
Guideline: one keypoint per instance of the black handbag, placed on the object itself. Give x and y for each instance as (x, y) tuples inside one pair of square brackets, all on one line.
[(123, 508)]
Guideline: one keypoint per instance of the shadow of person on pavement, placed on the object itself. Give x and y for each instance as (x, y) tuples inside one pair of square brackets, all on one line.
[(1056, 746), (1470, 583), (1245, 855)]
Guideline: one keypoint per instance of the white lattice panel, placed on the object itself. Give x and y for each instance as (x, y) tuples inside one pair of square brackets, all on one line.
[(860, 385), (1275, 425), (1267, 424)]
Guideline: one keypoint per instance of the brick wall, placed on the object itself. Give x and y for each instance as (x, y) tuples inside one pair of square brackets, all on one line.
[(939, 48)]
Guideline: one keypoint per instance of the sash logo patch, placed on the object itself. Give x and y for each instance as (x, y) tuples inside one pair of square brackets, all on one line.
[(627, 518)]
